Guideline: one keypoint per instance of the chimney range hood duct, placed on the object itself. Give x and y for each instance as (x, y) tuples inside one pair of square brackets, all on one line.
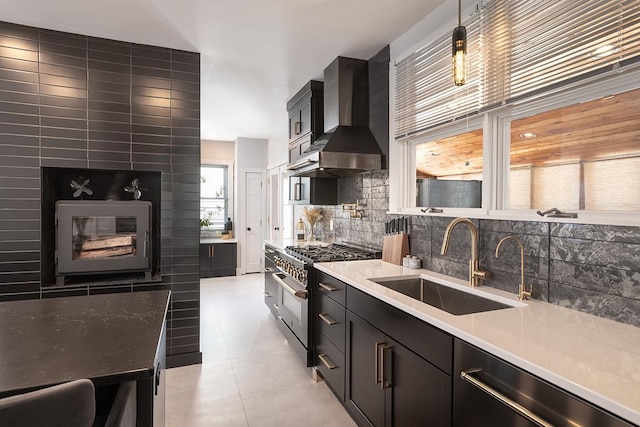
[(347, 147)]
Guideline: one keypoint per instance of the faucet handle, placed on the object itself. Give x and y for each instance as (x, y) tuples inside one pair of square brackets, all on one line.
[(524, 293), (482, 274)]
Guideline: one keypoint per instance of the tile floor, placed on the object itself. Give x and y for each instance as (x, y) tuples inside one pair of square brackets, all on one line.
[(249, 375)]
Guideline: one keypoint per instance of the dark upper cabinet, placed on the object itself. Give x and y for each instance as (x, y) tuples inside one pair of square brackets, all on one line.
[(313, 191), (306, 112)]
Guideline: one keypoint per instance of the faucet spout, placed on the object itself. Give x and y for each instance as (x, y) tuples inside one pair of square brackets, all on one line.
[(475, 274), (523, 293)]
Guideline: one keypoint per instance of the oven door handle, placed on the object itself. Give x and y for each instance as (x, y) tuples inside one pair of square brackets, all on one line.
[(299, 294)]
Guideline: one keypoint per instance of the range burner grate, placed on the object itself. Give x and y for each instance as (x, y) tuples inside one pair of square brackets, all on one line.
[(332, 252)]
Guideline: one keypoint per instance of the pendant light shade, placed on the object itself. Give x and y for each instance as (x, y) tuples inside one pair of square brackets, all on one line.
[(459, 52)]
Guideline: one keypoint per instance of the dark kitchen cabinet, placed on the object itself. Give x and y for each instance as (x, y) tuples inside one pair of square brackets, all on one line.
[(306, 115), (218, 259), (475, 402), (313, 191), (389, 385), (330, 331), (392, 377)]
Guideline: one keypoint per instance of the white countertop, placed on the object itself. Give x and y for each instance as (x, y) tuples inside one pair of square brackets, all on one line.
[(210, 240), (595, 358)]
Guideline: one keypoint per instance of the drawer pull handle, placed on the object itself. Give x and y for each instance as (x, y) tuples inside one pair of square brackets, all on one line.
[(326, 319), (326, 361), (267, 294), (326, 287), (514, 406)]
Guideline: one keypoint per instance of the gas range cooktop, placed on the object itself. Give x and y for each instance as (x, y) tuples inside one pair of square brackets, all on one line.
[(332, 252)]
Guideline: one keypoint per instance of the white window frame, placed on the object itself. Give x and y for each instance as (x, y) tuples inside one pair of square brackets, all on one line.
[(230, 186), (496, 142)]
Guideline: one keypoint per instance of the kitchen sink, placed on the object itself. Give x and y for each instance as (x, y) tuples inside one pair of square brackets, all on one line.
[(443, 297)]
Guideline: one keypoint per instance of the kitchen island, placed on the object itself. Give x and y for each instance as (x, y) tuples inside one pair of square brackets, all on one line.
[(109, 339), (593, 358)]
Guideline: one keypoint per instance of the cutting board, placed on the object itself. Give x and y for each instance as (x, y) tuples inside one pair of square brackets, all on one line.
[(394, 248)]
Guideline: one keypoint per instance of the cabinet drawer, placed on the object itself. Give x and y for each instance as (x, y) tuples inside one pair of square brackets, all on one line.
[(330, 320), (330, 363), (428, 342), (332, 287)]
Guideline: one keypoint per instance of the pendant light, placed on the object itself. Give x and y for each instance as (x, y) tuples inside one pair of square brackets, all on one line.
[(459, 51)]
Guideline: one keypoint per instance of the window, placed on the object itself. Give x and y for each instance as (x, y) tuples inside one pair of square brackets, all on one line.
[(449, 171), (543, 67), (214, 196), (580, 157)]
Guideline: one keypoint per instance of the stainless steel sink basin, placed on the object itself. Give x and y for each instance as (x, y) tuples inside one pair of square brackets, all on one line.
[(443, 297)]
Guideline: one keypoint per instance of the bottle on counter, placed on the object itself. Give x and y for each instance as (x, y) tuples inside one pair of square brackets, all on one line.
[(300, 231), (228, 225)]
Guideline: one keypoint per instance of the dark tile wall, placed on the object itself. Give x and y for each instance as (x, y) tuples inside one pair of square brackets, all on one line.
[(379, 100), (74, 101), (591, 268)]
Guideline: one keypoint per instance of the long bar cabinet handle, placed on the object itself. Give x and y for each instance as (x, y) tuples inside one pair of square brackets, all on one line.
[(326, 287), (383, 383), (376, 362), (326, 362), (514, 406), (326, 319)]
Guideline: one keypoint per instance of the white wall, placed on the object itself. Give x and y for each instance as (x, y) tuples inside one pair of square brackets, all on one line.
[(214, 151), (251, 153)]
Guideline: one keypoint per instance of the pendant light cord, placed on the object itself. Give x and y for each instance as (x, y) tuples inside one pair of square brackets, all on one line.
[(459, 13)]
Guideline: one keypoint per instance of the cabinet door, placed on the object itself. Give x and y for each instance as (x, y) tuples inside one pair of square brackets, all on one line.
[(418, 393), (365, 394), (223, 256), (205, 260), (305, 117), (294, 124), (299, 190)]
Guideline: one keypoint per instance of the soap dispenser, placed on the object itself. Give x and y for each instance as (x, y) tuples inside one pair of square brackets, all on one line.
[(300, 231)]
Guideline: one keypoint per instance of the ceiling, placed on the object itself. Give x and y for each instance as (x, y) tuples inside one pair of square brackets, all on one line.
[(255, 54), (604, 128)]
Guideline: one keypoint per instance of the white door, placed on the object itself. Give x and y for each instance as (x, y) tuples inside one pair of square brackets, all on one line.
[(253, 214), (275, 205)]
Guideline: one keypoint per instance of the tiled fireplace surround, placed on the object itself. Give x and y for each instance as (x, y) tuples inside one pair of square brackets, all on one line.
[(78, 102), (591, 268)]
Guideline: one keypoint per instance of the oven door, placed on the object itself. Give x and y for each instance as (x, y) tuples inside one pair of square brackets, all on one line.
[(293, 305)]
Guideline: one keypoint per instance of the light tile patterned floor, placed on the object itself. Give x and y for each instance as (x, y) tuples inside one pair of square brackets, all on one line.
[(249, 377)]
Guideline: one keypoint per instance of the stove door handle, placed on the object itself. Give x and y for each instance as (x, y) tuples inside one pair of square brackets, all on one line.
[(300, 294)]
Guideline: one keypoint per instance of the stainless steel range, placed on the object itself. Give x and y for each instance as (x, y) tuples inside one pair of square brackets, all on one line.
[(287, 275)]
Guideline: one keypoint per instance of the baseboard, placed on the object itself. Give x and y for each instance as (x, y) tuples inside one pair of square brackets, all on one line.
[(184, 359)]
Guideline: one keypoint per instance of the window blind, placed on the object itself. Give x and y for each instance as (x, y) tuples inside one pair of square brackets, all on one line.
[(515, 49), (425, 93), (556, 42)]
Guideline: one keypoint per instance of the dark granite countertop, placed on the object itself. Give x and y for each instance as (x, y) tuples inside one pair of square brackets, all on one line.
[(107, 338)]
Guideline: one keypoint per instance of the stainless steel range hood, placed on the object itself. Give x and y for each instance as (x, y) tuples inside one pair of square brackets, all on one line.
[(347, 146)]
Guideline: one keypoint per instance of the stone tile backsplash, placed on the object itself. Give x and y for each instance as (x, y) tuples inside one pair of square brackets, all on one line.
[(590, 268)]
